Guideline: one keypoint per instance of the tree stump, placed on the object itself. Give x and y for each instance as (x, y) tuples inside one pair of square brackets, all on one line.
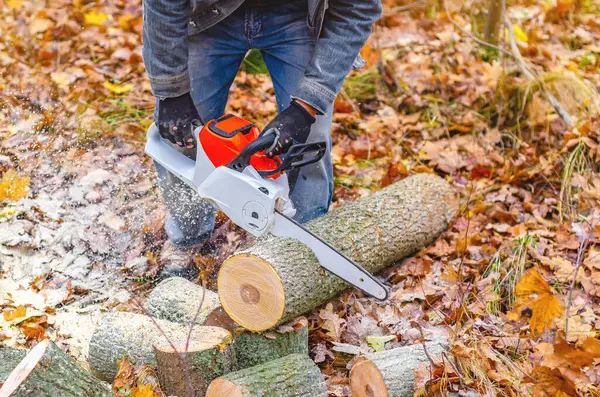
[(278, 279), (203, 365), (295, 375), (135, 335), (46, 371)]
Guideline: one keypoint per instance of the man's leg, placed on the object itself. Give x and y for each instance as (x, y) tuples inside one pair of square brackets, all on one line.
[(214, 59), (287, 45)]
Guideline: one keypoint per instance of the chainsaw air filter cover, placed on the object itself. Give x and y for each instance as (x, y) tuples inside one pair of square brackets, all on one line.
[(224, 138)]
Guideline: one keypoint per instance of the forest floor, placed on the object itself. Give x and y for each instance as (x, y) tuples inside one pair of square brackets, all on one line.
[(514, 284)]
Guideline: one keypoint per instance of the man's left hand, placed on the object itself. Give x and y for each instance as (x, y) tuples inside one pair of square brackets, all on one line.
[(292, 125)]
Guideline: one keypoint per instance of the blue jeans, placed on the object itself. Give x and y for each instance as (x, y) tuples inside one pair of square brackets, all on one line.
[(215, 55)]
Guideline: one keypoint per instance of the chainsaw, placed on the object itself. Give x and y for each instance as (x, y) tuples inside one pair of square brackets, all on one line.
[(233, 172)]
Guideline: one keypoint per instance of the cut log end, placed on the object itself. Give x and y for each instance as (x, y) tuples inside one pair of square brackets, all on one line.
[(223, 387), (251, 292), (366, 380)]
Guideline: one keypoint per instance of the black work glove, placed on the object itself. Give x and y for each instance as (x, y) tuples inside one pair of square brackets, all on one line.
[(177, 118), (293, 126)]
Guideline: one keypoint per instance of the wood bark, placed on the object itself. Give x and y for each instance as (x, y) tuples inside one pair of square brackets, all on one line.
[(295, 375), (390, 373), (135, 335), (202, 366), (176, 299), (278, 279), (9, 359), (46, 371), (250, 349)]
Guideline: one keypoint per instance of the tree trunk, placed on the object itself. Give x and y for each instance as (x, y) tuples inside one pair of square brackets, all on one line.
[(135, 335), (250, 349), (295, 375), (46, 371), (203, 365), (492, 23), (390, 373), (176, 299), (278, 279)]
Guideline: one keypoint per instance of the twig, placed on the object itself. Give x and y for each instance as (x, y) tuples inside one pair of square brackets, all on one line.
[(394, 10), (184, 356), (431, 362), (516, 54), (580, 251)]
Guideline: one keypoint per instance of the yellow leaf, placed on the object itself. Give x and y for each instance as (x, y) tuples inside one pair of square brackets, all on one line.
[(520, 35), (535, 302), (20, 311), (95, 18), (117, 88), (13, 186), (14, 3), (142, 391)]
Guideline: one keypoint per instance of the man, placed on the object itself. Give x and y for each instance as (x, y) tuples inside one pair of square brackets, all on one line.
[(192, 52)]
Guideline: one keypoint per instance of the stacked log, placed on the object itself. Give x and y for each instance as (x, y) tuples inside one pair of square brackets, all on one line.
[(390, 373), (134, 335), (278, 278), (295, 375), (46, 371)]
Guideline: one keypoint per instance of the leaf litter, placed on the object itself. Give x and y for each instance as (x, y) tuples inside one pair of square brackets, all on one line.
[(81, 219)]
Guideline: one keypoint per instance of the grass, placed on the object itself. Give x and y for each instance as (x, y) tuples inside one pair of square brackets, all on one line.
[(363, 86), (254, 63), (576, 163)]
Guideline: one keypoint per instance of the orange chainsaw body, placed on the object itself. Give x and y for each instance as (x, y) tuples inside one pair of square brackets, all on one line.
[(224, 138)]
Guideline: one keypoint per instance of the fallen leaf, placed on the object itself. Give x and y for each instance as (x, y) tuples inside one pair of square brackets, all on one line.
[(332, 322), (378, 342), (142, 391), (95, 18), (535, 302), (13, 186), (117, 88), (551, 383), (125, 377), (20, 311), (63, 80), (39, 25), (33, 332)]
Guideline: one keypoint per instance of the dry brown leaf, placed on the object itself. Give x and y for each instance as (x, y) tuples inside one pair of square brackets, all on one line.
[(535, 302), (551, 383), (142, 391), (332, 322)]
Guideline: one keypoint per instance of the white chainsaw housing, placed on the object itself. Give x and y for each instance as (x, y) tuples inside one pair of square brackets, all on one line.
[(246, 198)]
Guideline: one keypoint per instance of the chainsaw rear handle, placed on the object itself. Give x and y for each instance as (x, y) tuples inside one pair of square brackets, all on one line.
[(166, 155)]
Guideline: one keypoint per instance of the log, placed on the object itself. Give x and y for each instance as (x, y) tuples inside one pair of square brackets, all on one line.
[(176, 299), (135, 335), (9, 359), (278, 279), (250, 349), (390, 373), (46, 371), (295, 375), (203, 365)]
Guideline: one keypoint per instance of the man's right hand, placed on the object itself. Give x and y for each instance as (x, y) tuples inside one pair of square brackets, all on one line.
[(177, 118)]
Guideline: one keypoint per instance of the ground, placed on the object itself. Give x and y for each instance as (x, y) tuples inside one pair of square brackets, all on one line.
[(514, 283)]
